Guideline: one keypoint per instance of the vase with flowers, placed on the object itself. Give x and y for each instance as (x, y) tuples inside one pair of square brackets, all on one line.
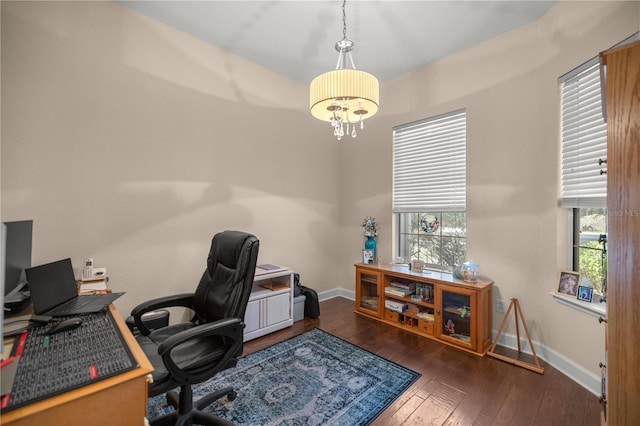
[(370, 227)]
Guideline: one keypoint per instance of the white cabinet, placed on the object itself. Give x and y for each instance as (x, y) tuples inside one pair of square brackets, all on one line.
[(270, 306)]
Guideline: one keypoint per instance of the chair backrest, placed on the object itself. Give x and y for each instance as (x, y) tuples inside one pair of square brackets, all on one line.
[(225, 286)]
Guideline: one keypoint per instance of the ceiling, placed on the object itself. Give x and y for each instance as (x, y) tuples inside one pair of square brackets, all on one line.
[(297, 38)]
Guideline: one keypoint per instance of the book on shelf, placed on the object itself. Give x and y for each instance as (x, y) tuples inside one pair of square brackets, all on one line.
[(395, 291), (405, 286), (395, 306), (370, 302), (425, 290), (425, 316), (268, 268)]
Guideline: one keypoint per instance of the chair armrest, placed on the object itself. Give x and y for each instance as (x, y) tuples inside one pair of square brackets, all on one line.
[(231, 328), (182, 300)]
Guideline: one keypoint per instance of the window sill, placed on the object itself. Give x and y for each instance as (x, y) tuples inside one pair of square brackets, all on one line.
[(596, 309)]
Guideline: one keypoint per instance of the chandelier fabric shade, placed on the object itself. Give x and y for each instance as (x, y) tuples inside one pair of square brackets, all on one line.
[(355, 92)]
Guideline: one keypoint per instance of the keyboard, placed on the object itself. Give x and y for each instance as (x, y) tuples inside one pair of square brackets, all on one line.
[(82, 305), (69, 306), (51, 365)]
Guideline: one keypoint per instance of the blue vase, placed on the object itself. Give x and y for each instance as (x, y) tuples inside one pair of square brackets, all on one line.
[(370, 244)]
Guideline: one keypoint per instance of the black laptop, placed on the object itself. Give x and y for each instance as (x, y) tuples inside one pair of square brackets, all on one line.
[(54, 291)]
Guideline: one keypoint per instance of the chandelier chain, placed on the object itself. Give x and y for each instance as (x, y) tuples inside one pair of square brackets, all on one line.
[(344, 20)]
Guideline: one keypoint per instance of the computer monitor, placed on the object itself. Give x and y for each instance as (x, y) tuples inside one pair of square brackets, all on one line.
[(15, 258)]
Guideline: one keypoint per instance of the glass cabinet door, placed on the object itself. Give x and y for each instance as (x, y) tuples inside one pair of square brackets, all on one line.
[(368, 292), (456, 322)]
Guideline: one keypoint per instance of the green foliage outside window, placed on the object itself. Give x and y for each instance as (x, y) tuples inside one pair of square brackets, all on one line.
[(591, 263)]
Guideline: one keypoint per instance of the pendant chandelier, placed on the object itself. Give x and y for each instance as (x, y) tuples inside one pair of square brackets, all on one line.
[(345, 97)]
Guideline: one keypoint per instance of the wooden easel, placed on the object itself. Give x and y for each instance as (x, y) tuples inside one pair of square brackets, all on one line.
[(518, 311)]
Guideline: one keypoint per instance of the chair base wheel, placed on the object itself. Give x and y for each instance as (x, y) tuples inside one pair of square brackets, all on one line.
[(190, 411)]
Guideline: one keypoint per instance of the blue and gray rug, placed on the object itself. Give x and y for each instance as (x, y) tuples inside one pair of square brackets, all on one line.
[(311, 379)]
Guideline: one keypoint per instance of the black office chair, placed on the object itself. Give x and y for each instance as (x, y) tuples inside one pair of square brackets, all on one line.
[(192, 352)]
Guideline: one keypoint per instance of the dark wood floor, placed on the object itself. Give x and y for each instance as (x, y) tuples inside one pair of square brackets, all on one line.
[(456, 388)]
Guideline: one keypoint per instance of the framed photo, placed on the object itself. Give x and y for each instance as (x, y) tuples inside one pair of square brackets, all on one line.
[(585, 293), (368, 256), (417, 265), (568, 283)]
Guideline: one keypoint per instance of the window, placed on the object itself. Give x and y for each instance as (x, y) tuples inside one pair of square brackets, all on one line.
[(584, 183), (590, 245), (429, 190), (584, 187)]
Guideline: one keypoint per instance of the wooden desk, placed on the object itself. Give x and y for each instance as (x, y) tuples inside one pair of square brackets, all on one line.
[(118, 400)]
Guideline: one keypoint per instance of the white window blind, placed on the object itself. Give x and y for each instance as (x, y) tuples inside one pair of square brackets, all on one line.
[(584, 138), (430, 164)]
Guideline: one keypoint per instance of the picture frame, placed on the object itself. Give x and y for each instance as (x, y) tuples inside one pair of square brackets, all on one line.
[(417, 265), (368, 256), (568, 283), (585, 293)]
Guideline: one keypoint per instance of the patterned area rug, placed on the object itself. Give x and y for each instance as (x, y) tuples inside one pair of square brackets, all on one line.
[(311, 379)]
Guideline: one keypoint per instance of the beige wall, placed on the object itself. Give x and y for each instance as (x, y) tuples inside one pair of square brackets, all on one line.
[(131, 142), (515, 230)]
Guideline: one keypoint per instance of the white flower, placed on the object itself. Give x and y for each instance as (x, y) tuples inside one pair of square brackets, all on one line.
[(370, 226)]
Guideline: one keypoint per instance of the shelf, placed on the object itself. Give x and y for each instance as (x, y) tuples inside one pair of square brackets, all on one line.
[(259, 292), (457, 312), (461, 337), (407, 299)]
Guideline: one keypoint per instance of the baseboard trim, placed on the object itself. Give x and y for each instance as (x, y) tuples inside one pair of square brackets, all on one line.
[(337, 292), (575, 372)]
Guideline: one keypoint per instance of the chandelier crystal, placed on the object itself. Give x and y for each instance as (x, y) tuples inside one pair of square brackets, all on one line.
[(345, 97)]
